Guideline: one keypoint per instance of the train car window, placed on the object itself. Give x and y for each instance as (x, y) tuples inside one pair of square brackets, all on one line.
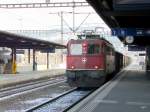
[(109, 51), (103, 48), (76, 49), (113, 53), (93, 49)]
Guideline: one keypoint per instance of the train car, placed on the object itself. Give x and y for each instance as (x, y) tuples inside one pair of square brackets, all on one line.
[(127, 61), (89, 61), (147, 59), (118, 61)]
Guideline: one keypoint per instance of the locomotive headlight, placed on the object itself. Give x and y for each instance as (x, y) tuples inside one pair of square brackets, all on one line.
[(84, 44), (72, 67), (96, 67)]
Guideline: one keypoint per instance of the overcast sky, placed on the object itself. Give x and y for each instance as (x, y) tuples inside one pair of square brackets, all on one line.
[(42, 19), (37, 19)]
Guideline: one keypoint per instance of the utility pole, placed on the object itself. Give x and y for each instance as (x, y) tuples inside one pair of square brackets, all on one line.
[(73, 14), (61, 15), (47, 1)]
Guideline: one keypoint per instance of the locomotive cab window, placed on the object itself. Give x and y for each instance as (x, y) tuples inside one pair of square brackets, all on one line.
[(76, 49), (93, 49)]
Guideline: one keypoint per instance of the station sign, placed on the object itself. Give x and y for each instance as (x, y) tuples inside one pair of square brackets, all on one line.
[(123, 32), (20, 51), (131, 4), (136, 48), (50, 50), (142, 54)]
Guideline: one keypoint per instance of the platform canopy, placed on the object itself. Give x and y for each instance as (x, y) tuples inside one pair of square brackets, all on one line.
[(132, 14), (22, 42)]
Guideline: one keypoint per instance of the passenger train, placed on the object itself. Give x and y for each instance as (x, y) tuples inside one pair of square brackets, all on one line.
[(91, 61)]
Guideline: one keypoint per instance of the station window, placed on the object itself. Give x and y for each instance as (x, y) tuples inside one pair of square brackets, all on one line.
[(76, 49), (93, 49)]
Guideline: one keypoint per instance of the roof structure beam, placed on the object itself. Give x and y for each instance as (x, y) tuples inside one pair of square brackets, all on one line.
[(45, 5), (24, 46), (21, 42), (126, 13)]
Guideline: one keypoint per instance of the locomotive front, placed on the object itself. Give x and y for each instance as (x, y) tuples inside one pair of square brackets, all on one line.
[(85, 63)]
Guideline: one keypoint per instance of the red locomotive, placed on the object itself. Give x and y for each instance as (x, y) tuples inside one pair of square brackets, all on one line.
[(89, 61)]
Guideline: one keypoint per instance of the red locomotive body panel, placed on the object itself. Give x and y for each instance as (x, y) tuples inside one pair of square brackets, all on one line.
[(89, 61), (85, 62)]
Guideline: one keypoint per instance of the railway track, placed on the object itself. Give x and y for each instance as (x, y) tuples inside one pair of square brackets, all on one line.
[(63, 102), (29, 87)]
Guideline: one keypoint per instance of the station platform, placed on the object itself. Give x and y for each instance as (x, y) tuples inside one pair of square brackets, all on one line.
[(129, 91), (13, 79)]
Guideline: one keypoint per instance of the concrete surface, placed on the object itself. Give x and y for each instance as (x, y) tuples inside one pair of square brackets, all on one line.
[(129, 92), (23, 102), (8, 79)]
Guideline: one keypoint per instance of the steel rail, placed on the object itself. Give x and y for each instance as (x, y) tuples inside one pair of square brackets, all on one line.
[(29, 87), (60, 97)]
